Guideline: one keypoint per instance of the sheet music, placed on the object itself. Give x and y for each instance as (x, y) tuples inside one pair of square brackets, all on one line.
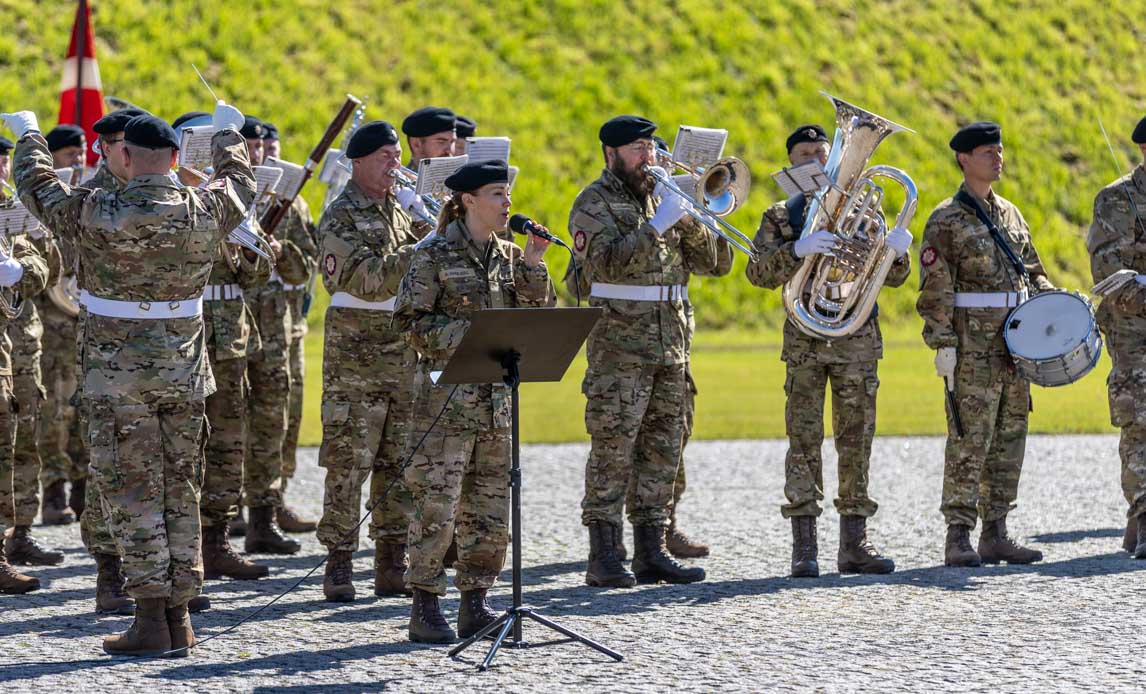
[(808, 177), (432, 174), (266, 179), (480, 149), (332, 167), (15, 219), (70, 175), (291, 180), (512, 177), (698, 146), (195, 147)]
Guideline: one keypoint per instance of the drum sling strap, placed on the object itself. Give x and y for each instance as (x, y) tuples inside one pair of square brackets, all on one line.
[(1000, 241)]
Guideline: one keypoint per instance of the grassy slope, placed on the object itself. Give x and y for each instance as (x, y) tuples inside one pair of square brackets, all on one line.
[(547, 74)]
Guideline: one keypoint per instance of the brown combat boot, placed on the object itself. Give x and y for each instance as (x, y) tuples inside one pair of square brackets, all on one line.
[(199, 603), (427, 624), (605, 568), (857, 555), (1130, 537), (237, 527), (110, 596), (390, 569), (220, 559), (805, 548), (651, 561), (22, 548), (619, 544), (338, 584), (995, 545), (76, 498), (679, 545), (54, 507), (13, 582), (474, 613), (1140, 549), (290, 521), (264, 535), (179, 628), (148, 634), (958, 551)]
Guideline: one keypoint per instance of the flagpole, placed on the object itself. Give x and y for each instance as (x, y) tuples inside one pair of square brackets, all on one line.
[(81, 49)]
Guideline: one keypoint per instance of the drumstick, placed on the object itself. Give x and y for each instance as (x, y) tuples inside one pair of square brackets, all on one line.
[(953, 404)]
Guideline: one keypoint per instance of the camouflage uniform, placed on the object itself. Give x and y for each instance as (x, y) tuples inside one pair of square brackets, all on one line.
[(849, 364), (459, 478), (230, 338), (959, 256), (367, 368), (296, 300), (635, 384), (150, 246), (268, 371), (1117, 242)]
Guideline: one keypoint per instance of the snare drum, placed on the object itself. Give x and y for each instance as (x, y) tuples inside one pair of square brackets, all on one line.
[(1053, 338)]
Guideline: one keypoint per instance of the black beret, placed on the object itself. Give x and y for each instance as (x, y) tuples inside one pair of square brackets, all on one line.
[(806, 133), (1139, 136), (465, 127), (660, 143), (270, 131), (151, 132), (190, 115), (252, 128), (5, 146), (975, 135), (473, 176), (370, 137), (427, 121), (620, 131), (65, 136), (116, 121)]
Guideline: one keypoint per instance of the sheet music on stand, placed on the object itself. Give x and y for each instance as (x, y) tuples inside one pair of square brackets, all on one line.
[(195, 147), (15, 219), (432, 174), (332, 167), (266, 180), (291, 179), (699, 146), (480, 149), (70, 175), (806, 178)]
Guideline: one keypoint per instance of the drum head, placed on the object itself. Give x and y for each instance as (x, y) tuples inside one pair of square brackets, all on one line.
[(1049, 325)]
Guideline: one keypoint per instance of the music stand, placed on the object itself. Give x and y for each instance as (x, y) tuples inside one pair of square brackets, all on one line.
[(514, 345)]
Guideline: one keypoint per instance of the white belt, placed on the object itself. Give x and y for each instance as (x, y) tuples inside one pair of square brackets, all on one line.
[(986, 299), (141, 310), (344, 300), (276, 277), (222, 292), (633, 292)]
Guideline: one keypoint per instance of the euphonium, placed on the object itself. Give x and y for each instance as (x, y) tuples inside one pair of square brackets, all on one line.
[(832, 294)]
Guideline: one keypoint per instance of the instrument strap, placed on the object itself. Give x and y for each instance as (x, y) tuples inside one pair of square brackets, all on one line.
[(1000, 240)]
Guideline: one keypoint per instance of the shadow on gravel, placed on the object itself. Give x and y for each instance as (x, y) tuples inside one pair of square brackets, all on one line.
[(1078, 535)]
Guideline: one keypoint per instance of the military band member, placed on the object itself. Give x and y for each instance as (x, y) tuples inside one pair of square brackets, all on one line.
[(968, 286), (272, 147), (848, 364), (1117, 241), (145, 373), (368, 369), (430, 132), (463, 127), (459, 478), (637, 253)]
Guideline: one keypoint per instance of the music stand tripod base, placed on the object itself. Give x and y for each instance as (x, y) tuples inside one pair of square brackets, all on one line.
[(509, 346)]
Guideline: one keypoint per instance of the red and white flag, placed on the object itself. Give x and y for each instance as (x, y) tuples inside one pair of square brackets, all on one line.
[(81, 93)]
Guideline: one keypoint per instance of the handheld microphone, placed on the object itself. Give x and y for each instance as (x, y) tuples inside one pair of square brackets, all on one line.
[(520, 224)]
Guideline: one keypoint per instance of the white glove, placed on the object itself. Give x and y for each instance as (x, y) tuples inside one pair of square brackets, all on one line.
[(10, 271), (945, 358), (899, 240), (820, 241), (226, 117), (21, 122), (1116, 281), (660, 190), (411, 202), (671, 210)]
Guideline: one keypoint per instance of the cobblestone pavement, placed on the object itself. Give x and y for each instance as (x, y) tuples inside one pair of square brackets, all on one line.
[(1070, 622)]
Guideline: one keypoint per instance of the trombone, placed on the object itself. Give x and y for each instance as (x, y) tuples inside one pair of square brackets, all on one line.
[(721, 189), (407, 178)]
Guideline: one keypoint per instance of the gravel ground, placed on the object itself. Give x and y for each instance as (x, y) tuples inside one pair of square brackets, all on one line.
[(1060, 624)]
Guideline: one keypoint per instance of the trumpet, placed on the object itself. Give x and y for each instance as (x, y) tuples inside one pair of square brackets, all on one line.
[(11, 301), (717, 192), (407, 178), (245, 235)]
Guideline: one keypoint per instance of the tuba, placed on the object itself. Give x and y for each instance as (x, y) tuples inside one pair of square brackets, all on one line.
[(832, 294)]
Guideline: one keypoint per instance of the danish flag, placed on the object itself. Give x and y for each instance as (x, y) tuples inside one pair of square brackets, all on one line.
[(81, 93)]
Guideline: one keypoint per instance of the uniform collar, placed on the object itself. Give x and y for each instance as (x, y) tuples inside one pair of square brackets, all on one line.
[(151, 180), (991, 199), (1139, 177), (460, 239)]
